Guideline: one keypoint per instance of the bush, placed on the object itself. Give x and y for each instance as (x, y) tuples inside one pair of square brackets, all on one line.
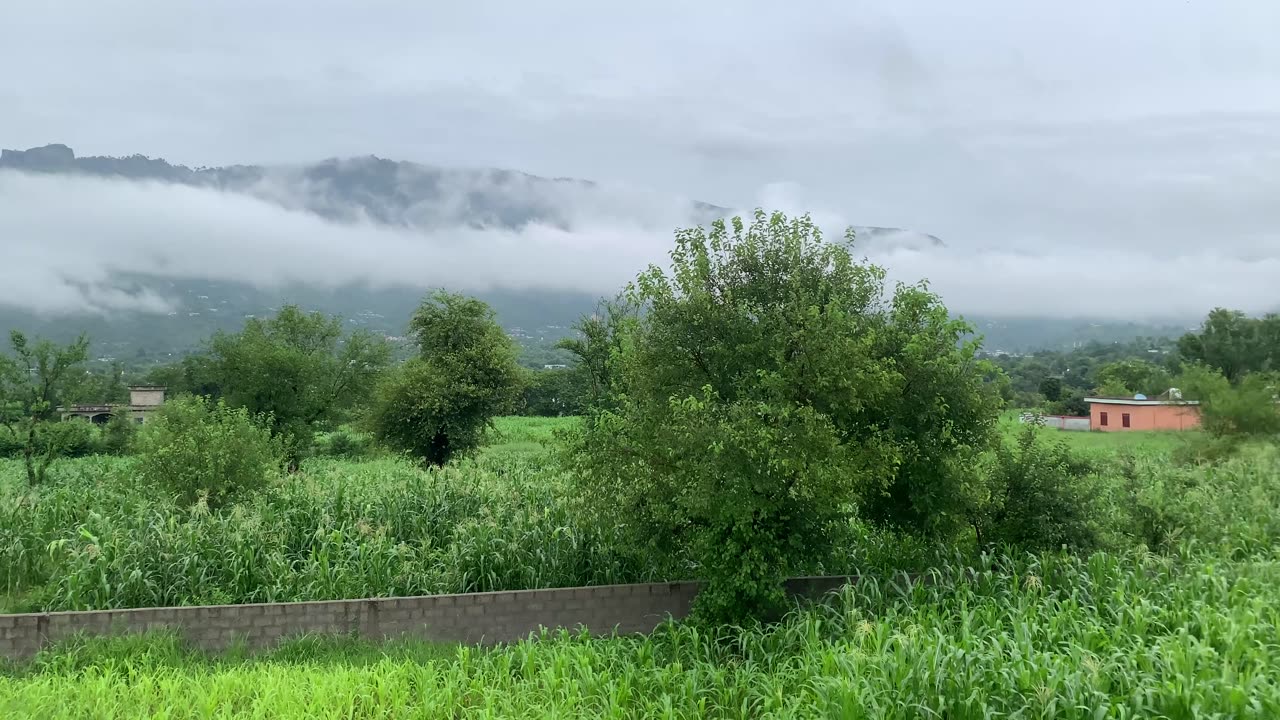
[(1041, 497), (71, 438), (194, 448), (343, 443)]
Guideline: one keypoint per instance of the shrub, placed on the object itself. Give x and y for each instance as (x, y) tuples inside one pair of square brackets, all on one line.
[(343, 443), (71, 438), (194, 448), (1041, 496)]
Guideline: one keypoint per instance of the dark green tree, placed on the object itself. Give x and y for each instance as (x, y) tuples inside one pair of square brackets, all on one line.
[(1051, 388), (193, 375), (555, 393), (33, 382), (441, 404), (1042, 497), (767, 393), (597, 344), (297, 368)]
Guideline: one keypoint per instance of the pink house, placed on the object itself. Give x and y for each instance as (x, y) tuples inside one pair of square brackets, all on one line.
[(1112, 414)]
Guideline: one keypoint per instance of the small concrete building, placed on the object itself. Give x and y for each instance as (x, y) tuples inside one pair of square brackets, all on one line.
[(1168, 412), (143, 400)]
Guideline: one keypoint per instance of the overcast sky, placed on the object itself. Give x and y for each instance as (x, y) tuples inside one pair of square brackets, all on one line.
[(1072, 143)]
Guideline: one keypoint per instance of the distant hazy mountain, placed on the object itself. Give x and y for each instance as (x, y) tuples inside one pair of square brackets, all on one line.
[(416, 196)]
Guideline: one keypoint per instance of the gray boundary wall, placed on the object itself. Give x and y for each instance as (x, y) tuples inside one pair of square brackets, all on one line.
[(1060, 422), (472, 618)]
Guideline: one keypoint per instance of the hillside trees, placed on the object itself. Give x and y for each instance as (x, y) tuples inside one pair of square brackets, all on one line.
[(296, 368), (441, 403), (33, 381), (1234, 344), (768, 393)]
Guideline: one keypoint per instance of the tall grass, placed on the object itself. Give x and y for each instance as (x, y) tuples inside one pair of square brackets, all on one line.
[(1049, 636), (336, 530), (341, 529)]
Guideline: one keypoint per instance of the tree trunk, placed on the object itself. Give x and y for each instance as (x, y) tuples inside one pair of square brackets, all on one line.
[(29, 456)]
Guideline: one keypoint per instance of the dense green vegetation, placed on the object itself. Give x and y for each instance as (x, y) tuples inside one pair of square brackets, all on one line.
[(770, 393), (764, 408), (1189, 630)]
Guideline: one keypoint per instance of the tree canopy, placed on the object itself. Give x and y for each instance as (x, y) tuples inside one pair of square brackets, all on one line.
[(763, 392), (33, 381), (1234, 343), (296, 368), (440, 404)]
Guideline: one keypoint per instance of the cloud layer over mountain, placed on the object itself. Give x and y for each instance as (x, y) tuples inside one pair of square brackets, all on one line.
[(1077, 158), (69, 238)]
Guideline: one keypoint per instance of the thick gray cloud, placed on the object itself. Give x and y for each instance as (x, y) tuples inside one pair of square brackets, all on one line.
[(1127, 154), (59, 260)]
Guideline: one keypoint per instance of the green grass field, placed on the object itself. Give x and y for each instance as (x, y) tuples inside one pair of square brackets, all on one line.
[(1154, 442), (1179, 617)]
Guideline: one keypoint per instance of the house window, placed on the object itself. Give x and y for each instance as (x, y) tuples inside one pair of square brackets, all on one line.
[(1102, 419), (1124, 420)]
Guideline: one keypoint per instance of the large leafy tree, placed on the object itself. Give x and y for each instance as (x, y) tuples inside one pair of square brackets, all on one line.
[(33, 381), (762, 392), (440, 404), (297, 368)]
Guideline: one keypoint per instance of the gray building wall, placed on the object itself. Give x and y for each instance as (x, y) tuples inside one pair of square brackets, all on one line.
[(1058, 422), (471, 618)]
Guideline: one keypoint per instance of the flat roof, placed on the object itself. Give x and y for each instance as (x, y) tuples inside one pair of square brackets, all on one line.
[(1135, 401), (148, 387)]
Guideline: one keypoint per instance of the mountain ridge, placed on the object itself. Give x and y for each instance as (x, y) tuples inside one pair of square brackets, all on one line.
[(398, 192), (420, 197)]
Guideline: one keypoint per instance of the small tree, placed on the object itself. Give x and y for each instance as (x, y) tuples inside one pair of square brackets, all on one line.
[(1051, 388), (768, 392), (32, 383), (197, 448), (440, 405), (1041, 497)]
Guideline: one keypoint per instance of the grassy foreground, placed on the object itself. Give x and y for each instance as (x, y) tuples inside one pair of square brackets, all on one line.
[(1109, 636)]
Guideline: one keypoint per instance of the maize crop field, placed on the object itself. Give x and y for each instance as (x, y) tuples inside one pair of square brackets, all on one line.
[(1179, 617)]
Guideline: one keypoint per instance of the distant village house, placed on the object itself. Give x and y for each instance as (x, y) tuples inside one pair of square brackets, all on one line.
[(143, 400), (1166, 412)]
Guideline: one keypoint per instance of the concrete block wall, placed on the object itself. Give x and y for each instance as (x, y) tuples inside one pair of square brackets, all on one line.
[(471, 618)]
